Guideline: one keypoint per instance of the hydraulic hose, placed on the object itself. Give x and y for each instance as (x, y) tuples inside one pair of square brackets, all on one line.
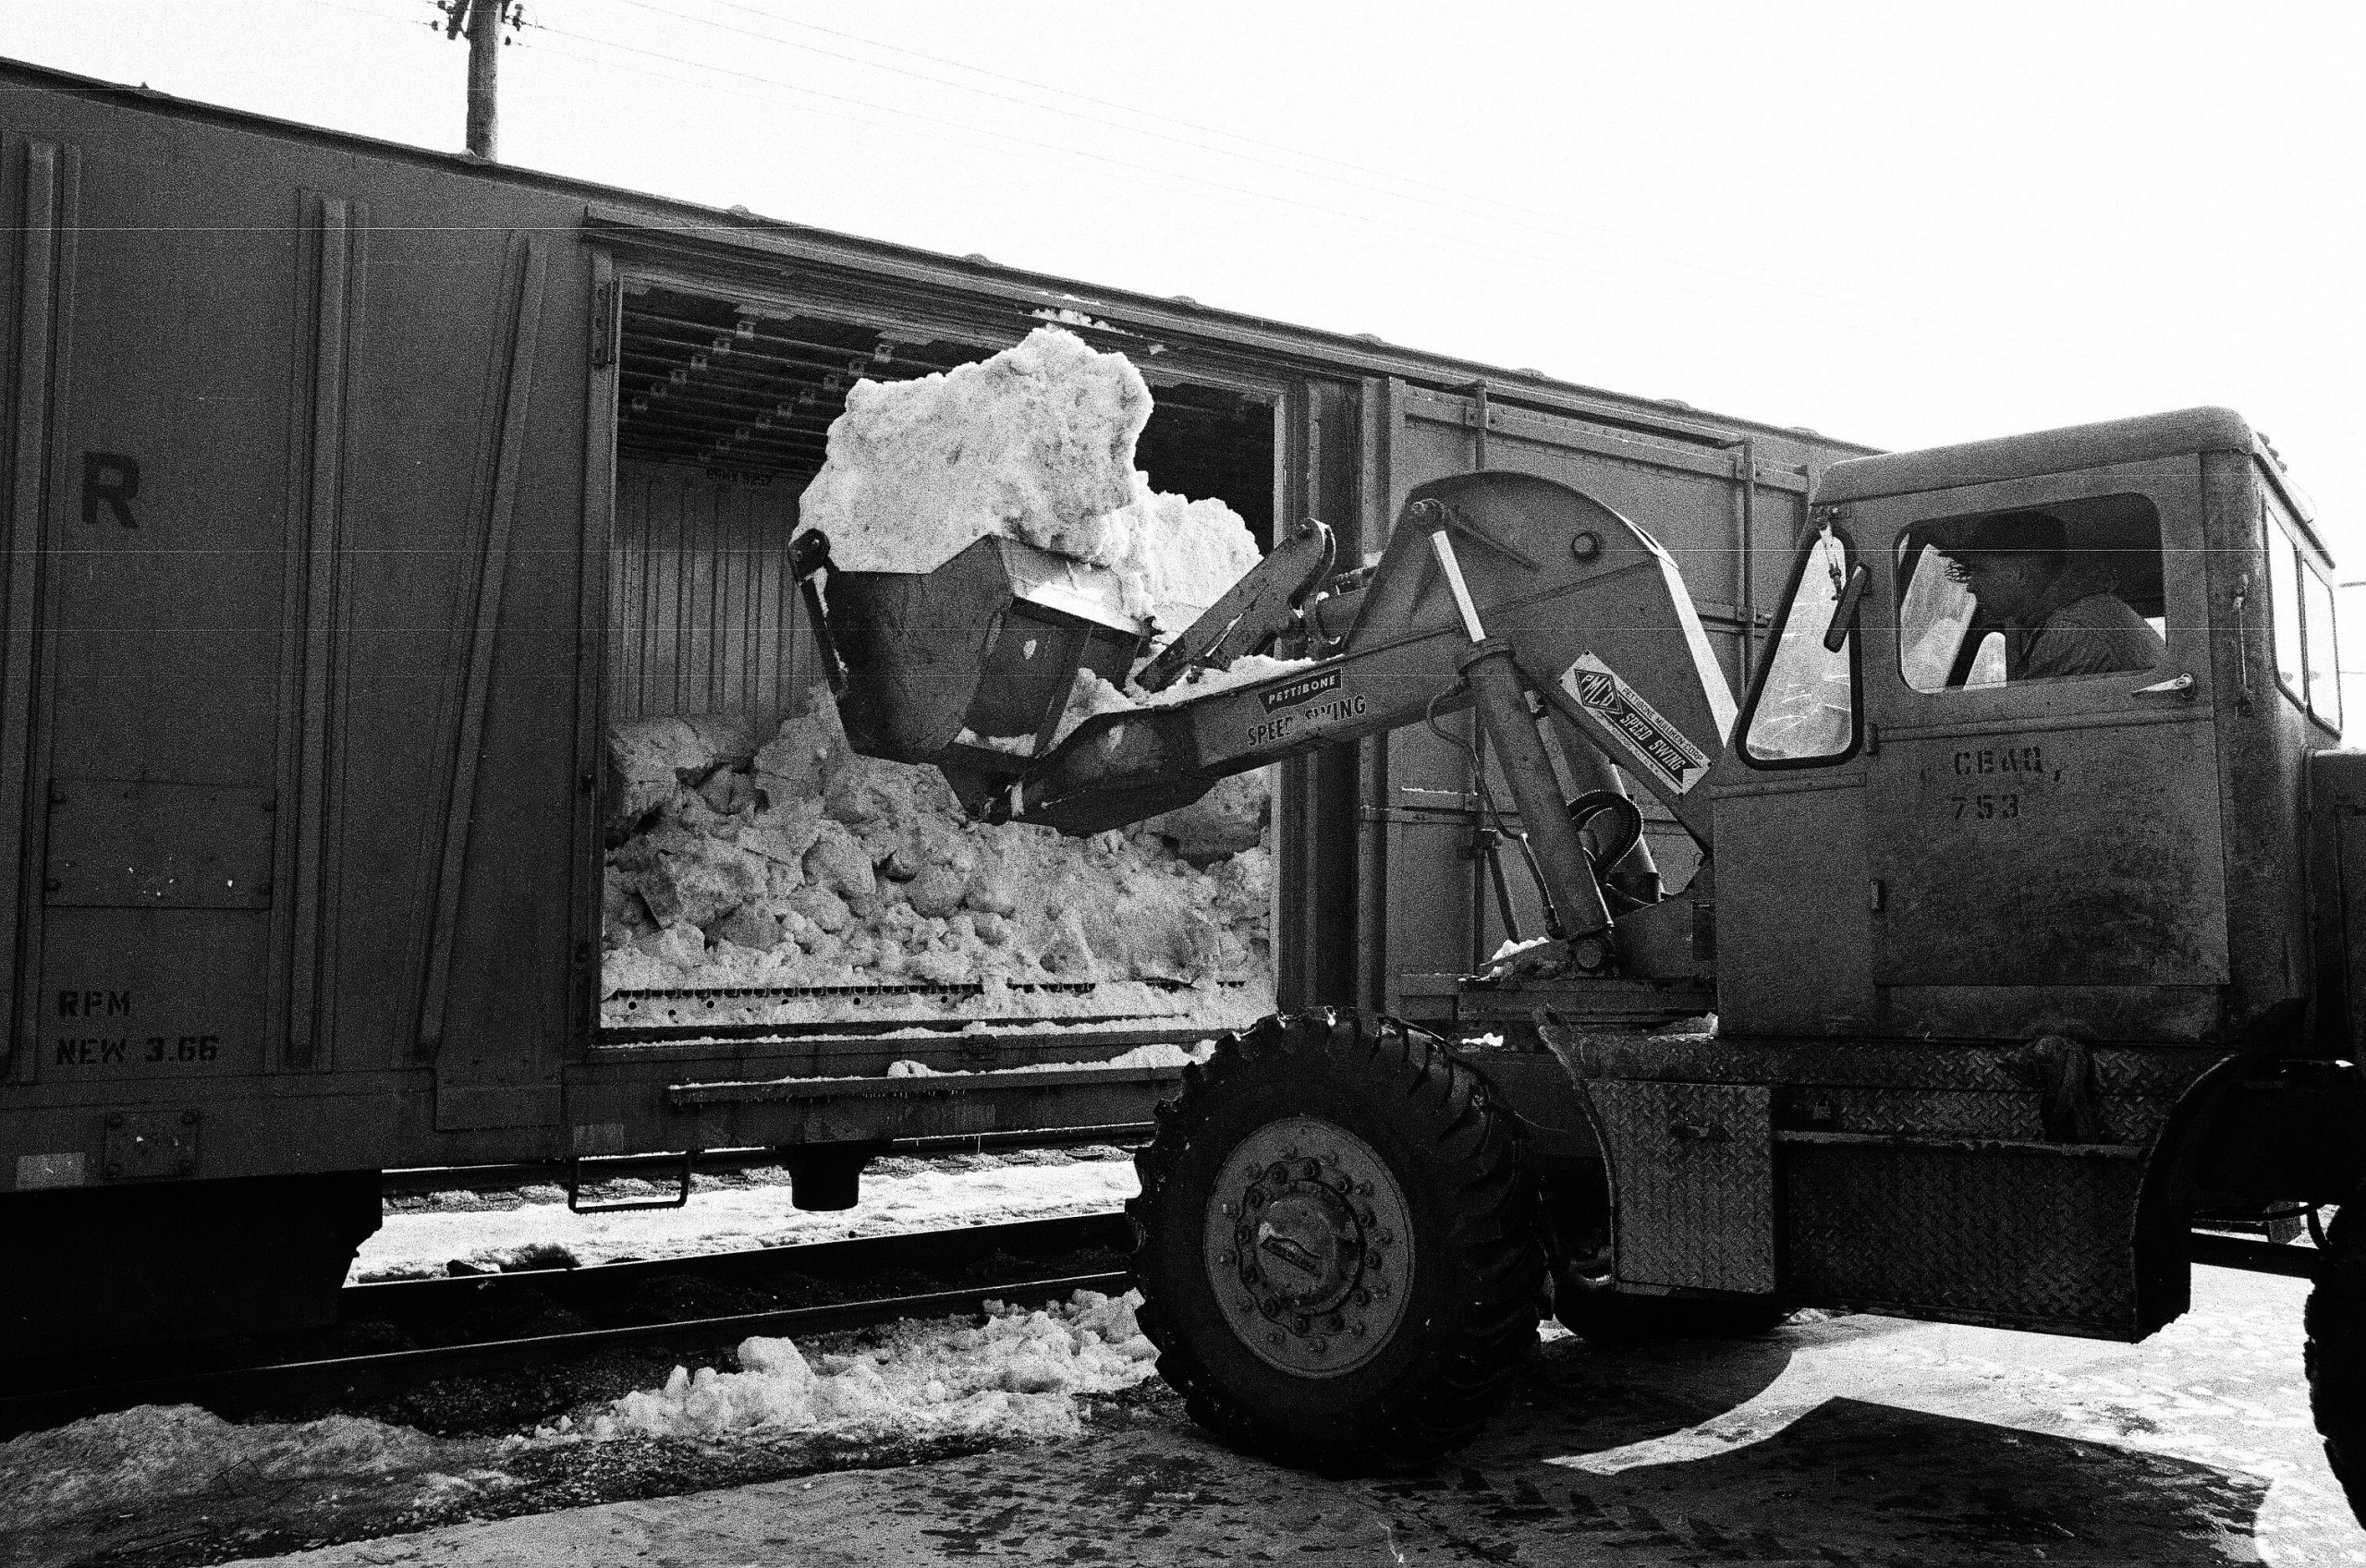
[(1624, 835)]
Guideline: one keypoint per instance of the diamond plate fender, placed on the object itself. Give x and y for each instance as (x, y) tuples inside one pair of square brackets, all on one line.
[(1692, 1182)]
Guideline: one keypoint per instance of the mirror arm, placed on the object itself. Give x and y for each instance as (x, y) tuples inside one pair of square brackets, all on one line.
[(1844, 612)]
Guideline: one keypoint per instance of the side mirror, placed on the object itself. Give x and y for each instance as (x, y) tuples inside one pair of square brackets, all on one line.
[(1844, 614)]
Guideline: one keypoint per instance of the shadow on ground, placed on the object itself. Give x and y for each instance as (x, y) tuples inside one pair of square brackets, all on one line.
[(1849, 1481)]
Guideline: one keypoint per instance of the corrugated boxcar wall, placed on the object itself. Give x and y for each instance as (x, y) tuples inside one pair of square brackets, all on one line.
[(705, 618)]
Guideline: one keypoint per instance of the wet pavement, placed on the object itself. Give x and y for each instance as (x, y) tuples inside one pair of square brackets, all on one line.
[(1852, 1441)]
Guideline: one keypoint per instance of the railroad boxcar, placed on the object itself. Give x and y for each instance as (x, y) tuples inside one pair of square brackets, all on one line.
[(352, 492)]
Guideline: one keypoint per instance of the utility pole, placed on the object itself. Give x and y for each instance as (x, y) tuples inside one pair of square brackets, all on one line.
[(482, 21)]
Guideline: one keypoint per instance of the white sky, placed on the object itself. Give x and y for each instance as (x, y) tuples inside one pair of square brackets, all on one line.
[(1898, 223)]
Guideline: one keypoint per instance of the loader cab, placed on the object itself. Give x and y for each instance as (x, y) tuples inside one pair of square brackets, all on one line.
[(2026, 752)]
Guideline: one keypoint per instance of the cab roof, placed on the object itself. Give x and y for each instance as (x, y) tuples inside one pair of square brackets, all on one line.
[(2073, 447), (2043, 452)]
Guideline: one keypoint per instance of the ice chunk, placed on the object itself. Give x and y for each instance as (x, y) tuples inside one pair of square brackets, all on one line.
[(1014, 1376), (1192, 553), (1036, 443), (1089, 695), (680, 946), (1227, 819), (1019, 912), (649, 758), (937, 892), (837, 862), (699, 888)]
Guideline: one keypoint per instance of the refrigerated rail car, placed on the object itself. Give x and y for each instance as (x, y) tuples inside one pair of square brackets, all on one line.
[(350, 491)]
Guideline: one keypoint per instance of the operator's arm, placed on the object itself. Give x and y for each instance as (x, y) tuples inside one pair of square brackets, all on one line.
[(2094, 636)]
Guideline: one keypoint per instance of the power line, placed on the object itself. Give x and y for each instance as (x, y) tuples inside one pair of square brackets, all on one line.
[(1457, 201), (965, 136), (968, 131)]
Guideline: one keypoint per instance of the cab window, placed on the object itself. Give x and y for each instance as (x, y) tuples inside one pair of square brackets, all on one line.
[(2317, 632), (1805, 711), (2301, 609), (2036, 593), (2284, 611)]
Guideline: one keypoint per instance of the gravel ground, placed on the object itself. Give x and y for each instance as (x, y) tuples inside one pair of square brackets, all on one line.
[(1854, 1440)]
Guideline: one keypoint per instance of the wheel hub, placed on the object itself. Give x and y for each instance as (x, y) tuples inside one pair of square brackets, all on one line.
[(1309, 1247)]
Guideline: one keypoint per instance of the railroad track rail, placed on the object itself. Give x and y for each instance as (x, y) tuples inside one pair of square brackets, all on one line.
[(34, 1395)]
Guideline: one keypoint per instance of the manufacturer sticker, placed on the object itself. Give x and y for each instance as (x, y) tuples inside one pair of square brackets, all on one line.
[(1276, 697), (1307, 702), (1657, 746)]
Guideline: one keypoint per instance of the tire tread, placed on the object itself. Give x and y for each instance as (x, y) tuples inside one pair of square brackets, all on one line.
[(1476, 1348)]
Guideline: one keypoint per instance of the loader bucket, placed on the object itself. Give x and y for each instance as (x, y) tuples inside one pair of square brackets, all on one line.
[(968, 666)]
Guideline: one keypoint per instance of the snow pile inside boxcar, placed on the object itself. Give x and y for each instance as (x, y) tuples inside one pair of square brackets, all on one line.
[(1011, 1377), (798, 865), (1036, 444)]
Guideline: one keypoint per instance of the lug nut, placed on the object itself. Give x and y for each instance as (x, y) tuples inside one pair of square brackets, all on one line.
[(1309, 1169), (1227, 1209), (1367, 1216), (1299, 1325), (1278, 1172), (1320, 1345), (1357, 1330), (1371, 1259), (1388, 1238), (1257, 1198), (1363, 1297)]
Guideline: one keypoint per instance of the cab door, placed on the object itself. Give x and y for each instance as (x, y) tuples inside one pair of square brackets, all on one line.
[(2044, 854)]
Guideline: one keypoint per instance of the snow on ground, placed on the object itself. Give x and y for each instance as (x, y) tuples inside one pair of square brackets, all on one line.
[(2221, 1386), (412, 1244), (1010, 1378), (172, 1478), (1013, 1377), (158, 1452), (1161, 1053)]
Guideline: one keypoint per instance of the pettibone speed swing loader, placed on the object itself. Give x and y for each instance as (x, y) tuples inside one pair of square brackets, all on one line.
[(2029, 987)]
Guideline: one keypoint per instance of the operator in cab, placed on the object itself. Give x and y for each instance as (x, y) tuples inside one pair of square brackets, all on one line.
[(2057, 619)]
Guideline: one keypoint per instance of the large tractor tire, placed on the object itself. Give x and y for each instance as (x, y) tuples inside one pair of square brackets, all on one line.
[(2337, 1351), (1336, 1245)]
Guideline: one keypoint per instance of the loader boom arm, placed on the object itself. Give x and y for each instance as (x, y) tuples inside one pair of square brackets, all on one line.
[(1587, 610)]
